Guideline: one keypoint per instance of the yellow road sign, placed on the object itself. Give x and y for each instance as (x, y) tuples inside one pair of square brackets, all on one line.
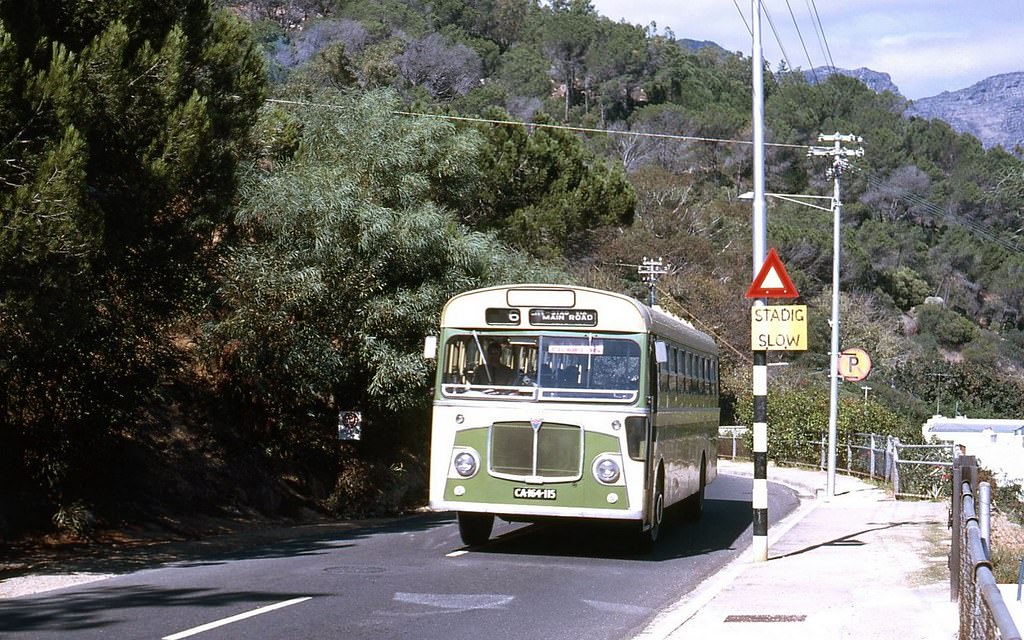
[(781, 327)]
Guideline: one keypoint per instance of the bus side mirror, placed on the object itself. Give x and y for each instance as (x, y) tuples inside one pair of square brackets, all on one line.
[(660, 352), (430, 347)]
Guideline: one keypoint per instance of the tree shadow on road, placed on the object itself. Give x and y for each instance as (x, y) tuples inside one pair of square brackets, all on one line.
[(128, 553), (96, 608)]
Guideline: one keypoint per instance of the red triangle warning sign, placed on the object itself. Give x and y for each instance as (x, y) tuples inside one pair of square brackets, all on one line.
[(772, 281)]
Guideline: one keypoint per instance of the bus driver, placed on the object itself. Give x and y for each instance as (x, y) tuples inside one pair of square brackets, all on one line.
[(492, 371)]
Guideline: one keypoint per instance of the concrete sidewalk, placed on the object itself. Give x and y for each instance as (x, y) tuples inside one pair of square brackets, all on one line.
[(860, 565)]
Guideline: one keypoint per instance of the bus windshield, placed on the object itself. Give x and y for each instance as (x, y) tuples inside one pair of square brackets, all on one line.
[(588, 367)]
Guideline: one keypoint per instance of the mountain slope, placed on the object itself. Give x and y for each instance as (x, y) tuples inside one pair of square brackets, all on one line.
[(991, 110)]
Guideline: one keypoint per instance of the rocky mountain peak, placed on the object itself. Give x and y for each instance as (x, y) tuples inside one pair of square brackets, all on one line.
[(991, 110), (877, 81)]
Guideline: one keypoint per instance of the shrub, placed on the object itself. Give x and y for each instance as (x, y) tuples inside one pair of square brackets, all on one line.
[(798, 418), (949, 328), (75, 519)]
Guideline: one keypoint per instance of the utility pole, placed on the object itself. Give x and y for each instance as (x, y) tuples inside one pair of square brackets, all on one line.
[(759, 371), (839, 155), (649, 270)]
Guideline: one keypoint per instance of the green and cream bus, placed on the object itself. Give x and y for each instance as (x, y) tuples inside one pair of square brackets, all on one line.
[(569, 402)]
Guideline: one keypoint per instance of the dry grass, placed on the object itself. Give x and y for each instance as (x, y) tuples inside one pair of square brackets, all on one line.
[(1007, 548)]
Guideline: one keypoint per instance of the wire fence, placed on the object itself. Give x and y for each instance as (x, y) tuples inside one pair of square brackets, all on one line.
[(914, 470), (983, 611)]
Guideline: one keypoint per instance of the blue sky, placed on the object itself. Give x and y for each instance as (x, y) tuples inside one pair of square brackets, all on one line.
[(926, 46)]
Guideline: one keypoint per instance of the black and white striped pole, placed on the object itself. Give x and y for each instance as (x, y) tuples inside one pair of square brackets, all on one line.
[(760, 493), (760, 371)]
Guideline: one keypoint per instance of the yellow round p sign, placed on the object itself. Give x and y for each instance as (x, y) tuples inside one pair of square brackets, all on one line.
[(854, 365)]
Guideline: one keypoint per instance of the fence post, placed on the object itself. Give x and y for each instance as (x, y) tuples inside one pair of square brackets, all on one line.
[(1020, 578), (965, 469), (871, 457), (849, 459), (895, 467), (888, 458), (954, 520), (985, 516)]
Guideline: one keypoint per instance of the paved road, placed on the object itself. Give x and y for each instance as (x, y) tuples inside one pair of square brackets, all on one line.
[(410, 579)]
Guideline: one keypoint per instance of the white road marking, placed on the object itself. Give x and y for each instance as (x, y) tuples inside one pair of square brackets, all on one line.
[(456, 554), (242, 616)]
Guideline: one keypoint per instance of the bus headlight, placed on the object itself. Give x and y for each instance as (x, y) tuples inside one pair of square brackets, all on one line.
[(607, 470), (465, 464)]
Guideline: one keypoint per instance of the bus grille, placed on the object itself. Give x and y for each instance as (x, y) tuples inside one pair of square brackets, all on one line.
[(559, 450)]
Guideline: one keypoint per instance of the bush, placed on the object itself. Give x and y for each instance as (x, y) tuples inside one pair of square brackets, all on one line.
[(75, 519), (949, 328), (798, 418), (377, 488)]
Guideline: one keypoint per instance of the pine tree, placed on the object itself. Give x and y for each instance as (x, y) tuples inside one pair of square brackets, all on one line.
[(121, 126)]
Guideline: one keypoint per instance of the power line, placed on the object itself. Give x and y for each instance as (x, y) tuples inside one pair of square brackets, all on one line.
[(563, 127), (930, 208), (803, 45), (705, 326), (782, 47), (820, 30), (939, 214), (743, 17)]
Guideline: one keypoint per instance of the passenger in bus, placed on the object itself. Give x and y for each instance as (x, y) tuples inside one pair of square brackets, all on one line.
[(569, 376), (492, 370)]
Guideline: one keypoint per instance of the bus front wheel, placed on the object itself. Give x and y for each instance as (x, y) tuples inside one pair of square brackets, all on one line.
[(475, 528), (649, 537)]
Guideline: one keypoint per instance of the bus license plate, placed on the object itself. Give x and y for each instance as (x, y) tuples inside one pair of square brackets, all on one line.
[(535, 493)]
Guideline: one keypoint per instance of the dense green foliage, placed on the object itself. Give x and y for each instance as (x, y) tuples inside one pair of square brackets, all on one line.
[(346, 262), (796, 417), (189, 270), (542, 191), (122, 123)]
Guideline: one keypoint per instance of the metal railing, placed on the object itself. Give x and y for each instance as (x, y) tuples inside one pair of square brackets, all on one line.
[(983, 612), (913, 470)]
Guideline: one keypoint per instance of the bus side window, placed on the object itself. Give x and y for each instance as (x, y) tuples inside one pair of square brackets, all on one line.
[(700, 374), (685, 384), (673, 371), (705, 387), (680, 386)]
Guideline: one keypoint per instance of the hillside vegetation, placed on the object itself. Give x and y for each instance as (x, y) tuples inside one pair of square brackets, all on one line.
[(222, 226)]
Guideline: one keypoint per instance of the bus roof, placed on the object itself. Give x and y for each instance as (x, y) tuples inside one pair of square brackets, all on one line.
[(549, 306)]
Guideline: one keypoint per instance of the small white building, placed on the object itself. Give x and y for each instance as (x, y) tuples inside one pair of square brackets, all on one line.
[(997, 443)]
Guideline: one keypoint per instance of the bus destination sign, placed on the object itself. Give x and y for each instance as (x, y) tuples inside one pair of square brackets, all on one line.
[(501, 316), (564, 317)]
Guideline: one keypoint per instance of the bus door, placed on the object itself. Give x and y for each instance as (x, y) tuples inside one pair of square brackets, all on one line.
[(658, 356)]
